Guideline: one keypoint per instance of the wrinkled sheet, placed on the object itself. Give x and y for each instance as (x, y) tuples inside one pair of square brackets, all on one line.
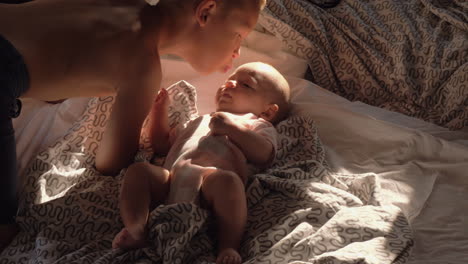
[(300, 211), (422, 168), (408, 56)]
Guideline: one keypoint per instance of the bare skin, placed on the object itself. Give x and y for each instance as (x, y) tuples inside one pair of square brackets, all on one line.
[(129, 239), (113, 47), (89, 48), (74, 55), (144, 187), (224, 192)]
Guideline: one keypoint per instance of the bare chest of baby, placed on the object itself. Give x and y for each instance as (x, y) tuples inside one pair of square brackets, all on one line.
[(194, 153), (197, 144)]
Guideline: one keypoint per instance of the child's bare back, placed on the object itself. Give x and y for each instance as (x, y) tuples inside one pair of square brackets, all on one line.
[(73, 48)]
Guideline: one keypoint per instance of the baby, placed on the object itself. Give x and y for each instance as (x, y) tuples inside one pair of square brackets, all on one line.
[(209, 158)]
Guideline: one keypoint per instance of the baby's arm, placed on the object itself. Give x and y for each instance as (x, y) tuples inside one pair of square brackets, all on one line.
[(257, 149), (159, 124)]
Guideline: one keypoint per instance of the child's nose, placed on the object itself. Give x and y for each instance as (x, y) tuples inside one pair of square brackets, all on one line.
[(236, 53)]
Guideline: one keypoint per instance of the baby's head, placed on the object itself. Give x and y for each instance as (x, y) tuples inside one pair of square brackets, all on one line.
[(256, 88)]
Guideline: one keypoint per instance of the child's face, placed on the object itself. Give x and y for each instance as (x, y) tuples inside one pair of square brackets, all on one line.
[(247, 90), (220, 39)]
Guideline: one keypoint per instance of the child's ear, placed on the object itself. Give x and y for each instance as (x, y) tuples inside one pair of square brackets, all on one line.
[(204, 11), (270, 112)]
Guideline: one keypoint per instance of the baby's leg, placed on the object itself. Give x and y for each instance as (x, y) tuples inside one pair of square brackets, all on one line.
[(144, 185), (224, 191)]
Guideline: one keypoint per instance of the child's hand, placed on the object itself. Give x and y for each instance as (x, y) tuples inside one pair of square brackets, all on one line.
[(222, 123)]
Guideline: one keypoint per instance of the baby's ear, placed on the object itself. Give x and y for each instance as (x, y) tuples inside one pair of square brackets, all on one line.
[(204, 11), (270, 112)]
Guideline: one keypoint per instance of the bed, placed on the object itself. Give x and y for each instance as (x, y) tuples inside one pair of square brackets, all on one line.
[(358, 178)]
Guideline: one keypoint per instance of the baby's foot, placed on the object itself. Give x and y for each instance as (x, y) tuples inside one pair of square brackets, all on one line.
[(125, 240), (228, 256)]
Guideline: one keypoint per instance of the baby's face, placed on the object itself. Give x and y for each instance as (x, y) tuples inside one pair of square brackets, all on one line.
[(247, 90)]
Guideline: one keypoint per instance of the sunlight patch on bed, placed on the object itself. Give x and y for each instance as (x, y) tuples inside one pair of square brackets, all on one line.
[(56, 182)]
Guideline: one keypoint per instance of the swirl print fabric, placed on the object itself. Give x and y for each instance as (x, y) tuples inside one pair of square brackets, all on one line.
[(298, 211), (405, 56)]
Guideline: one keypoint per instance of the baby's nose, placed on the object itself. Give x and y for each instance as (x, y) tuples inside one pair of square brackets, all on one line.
[(231, 84)]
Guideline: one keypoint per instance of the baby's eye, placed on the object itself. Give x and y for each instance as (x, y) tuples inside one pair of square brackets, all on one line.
[(247, 86)]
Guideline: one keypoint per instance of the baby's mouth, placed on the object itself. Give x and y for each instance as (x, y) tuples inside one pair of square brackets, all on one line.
[(226, 95)]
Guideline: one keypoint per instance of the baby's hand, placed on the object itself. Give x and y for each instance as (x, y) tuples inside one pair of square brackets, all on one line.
[(161, 103), (222, 123)]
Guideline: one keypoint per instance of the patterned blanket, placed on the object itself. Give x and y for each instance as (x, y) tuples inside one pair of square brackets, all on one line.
[(408, 56), (298, 211)]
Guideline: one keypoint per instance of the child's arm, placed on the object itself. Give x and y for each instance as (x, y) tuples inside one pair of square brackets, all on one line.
[(120, 140), (256, 148), (159, 124), (132, 104)]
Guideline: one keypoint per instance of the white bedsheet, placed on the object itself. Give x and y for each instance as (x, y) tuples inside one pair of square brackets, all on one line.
[(423, 168), (40, 124)]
